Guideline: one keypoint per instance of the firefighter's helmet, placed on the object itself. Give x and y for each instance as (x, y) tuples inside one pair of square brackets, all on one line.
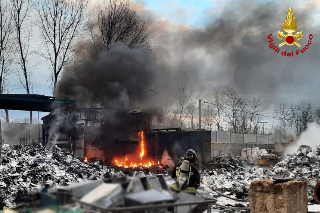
[(191, 155)]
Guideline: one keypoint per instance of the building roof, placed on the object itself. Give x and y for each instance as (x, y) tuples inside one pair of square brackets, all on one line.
[(33, 102)]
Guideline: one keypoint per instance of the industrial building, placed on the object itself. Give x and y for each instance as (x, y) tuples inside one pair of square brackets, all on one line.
[(101, 134)]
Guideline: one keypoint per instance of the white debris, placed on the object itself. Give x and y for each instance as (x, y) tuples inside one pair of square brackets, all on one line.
[(314, 208), (25, 170), (298, 166)]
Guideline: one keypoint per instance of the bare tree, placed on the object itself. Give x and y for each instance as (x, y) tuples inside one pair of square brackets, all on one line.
[(5, 46), (59, 22), (255, 109), (20, 10), (241, 114), (296, 116), (234, 104), (172, 118), (119, 23), (307, 115), (317, 115), (184, 97), (191, 109), (284, 116), (219, 103), (208, 116), (244, 113), (301, 115)]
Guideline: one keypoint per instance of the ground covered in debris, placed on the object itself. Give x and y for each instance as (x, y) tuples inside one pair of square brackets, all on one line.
[(235, 180), (27, 169)]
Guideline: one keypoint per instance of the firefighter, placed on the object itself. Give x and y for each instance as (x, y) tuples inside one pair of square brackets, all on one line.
[(186, 174)]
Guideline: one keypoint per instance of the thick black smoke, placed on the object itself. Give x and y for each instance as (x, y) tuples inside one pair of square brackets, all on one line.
[(120, 78), (232, 50)]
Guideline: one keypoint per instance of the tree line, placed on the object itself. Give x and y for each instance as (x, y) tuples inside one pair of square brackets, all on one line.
[(60, 23), (296, 117), (224, 110), (227, 110)]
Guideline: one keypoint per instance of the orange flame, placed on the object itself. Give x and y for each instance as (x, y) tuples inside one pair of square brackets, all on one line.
[(141, 134), (85, 159), (125, 163)]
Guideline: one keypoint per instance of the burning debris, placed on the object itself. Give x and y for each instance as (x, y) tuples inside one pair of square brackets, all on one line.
[(26, 170), (140, 163)]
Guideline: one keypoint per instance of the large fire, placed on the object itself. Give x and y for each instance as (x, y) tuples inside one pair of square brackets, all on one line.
[(127, 163)]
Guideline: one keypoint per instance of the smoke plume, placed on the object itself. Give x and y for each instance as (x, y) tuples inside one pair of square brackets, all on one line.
[(309, 137), (232, 50), (120, 78)]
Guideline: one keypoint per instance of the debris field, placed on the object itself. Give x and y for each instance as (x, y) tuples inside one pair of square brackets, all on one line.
[(25, 170), (234, 181)]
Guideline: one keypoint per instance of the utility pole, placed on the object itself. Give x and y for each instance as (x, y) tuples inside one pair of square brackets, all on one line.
[(205, 102), (199, 113)]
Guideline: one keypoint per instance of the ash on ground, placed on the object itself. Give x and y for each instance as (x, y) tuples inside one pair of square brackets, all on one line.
[(234, 181), (25, 170)]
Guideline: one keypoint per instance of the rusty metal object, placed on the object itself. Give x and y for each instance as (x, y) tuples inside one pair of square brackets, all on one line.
[(265, 162), (316, 193), (268, 159)]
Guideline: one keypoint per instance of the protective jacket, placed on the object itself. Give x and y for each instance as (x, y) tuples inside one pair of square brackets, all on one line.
[(193, 176)]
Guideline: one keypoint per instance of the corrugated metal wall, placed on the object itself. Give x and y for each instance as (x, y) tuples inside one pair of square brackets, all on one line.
[(25, 133)]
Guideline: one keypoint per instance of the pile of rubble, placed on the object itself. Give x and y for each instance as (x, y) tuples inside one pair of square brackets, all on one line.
[(303, 165), (226, 162), (25, 170)]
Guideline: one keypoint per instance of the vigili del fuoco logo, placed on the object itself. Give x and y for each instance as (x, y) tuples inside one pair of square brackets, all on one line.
[(290, 39)]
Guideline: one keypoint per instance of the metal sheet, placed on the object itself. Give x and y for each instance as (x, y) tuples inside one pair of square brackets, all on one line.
[(135, 185), (78, 190), (154, 183), (101, 191), (185, 198), (148, 197)]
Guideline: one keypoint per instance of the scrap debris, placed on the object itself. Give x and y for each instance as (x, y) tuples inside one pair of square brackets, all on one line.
[(303, 165), (227, 162), (25, 170)]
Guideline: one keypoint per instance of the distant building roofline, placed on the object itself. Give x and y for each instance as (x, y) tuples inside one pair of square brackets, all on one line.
[(33, 102)]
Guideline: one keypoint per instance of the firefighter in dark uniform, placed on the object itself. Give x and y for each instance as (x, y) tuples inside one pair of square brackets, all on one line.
[(186, 174)]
